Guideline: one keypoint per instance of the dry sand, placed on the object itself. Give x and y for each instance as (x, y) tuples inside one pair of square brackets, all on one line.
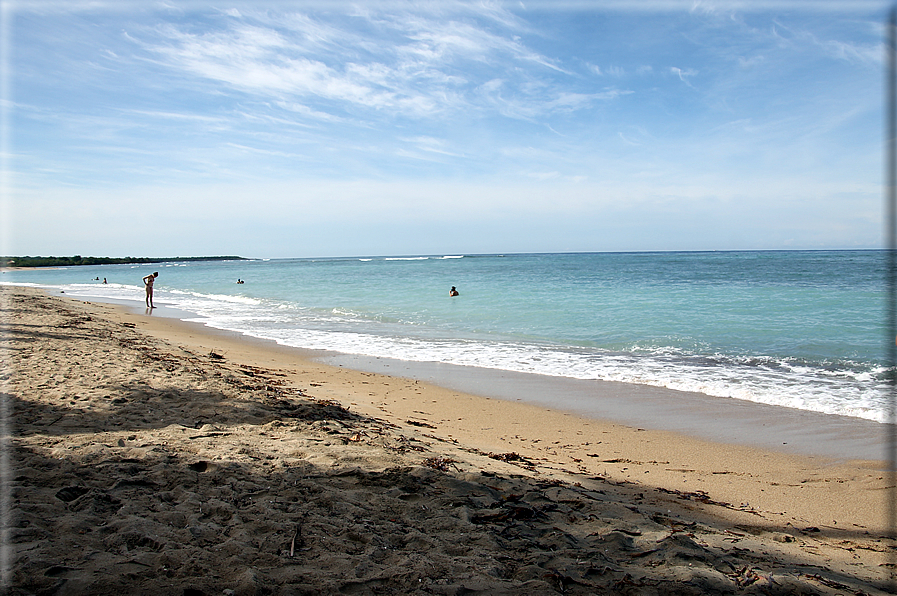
[(150, 456)]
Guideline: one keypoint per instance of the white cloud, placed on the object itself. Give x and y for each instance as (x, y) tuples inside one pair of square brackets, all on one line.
[(682, 74), (308, 111), (627, 140), (176, 116), (543, 175), (850, 51), (615, 71), (413, 65), (432, 145)]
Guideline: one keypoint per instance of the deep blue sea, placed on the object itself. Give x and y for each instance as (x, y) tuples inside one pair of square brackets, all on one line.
[(803, 329)]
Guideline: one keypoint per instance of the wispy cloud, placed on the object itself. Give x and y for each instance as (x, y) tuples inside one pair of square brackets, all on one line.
[(615, 71), (431, 145), (414, 66), (193, 117), (850, 51), (262, 61), (627, 140), (684, 75)]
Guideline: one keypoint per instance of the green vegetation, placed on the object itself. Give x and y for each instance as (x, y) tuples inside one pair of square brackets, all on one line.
[(79, 260)]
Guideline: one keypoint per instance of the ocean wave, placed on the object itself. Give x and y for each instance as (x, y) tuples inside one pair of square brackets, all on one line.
[(796, 389), (21, 283), (844, 388), (115, 291), (218, 297)]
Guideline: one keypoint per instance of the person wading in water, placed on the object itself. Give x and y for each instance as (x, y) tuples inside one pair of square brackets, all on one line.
[(148, 281)]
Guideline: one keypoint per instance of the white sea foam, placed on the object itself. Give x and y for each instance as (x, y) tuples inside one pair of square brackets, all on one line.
[(218, 297), (782, 388)]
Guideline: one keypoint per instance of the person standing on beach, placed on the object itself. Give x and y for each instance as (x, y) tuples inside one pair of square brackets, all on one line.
[(148, 281)]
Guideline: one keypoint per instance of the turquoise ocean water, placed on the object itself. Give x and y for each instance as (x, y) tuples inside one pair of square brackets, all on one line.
[(803, 329)]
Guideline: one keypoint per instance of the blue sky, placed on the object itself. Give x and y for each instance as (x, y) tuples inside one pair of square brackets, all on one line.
[(289, 129)]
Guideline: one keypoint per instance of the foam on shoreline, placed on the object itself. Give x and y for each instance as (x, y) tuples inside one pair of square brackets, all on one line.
[(778, 428)]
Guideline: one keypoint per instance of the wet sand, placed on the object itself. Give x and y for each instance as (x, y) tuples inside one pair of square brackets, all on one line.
[(150, 455), (712, 418)]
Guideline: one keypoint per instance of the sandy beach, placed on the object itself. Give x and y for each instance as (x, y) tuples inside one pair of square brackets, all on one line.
[(148, 455)]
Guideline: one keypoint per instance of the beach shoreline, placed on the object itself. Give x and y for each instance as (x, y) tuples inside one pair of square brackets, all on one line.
[(808, 514), (714, 419), (720, 420)]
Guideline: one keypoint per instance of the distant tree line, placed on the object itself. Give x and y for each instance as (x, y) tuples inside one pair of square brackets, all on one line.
[(79, 260)]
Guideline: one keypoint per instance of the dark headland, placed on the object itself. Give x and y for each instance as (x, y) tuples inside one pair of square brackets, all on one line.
[(79, 260)]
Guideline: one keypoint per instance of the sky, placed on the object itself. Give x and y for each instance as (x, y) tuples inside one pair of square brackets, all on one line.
[(335, 128)]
